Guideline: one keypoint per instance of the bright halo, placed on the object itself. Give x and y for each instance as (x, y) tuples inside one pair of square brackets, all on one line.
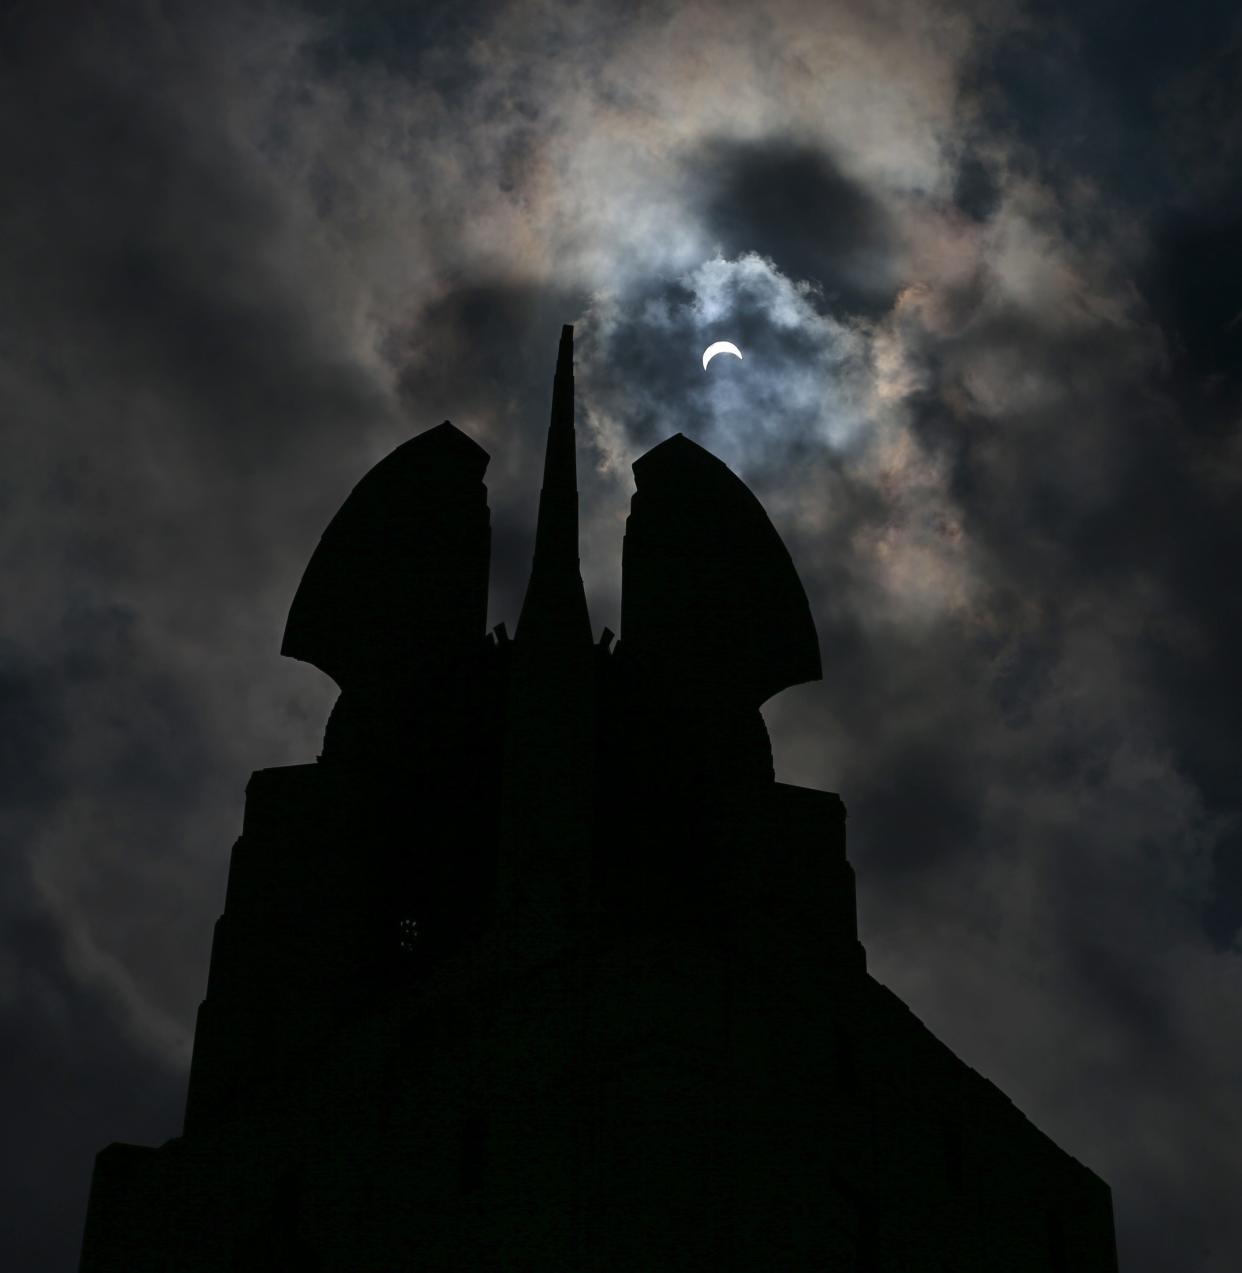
[(720, 347)]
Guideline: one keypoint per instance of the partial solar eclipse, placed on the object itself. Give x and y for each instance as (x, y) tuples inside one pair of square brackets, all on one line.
[(720, 347)]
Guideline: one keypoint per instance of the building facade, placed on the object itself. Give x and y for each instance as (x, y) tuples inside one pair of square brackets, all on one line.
[(537, 967)]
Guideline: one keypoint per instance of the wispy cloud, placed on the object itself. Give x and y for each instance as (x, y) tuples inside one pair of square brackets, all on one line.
[(990, 410)]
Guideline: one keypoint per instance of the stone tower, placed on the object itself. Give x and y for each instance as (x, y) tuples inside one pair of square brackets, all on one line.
[(538, 967)]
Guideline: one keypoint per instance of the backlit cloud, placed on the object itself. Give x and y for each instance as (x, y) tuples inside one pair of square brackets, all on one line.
[(983, 265)]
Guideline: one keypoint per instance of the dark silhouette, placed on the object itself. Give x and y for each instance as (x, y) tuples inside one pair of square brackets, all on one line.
[(538, 967)]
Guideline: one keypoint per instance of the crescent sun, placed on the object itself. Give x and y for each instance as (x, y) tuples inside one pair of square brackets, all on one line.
[(720, 347)]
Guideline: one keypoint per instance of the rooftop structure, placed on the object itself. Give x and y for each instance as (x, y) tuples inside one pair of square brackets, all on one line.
[(538, 967)]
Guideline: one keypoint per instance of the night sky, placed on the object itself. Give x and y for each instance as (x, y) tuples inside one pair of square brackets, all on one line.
[(984, 262)]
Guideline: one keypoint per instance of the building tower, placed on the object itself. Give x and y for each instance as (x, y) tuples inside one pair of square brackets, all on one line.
[(538, 967)]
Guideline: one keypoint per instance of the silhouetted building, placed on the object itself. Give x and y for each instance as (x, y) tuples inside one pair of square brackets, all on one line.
[(538, 967)]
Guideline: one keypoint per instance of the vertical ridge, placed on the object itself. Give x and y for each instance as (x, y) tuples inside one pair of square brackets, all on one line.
[(549, 773), (555, 604)]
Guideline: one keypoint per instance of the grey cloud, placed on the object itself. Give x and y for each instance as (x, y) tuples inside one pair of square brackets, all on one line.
[(255, 249), (792, 203), (502, 332), (976, 189)]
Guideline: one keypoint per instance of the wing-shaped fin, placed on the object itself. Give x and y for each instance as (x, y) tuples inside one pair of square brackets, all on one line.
[(397, 587), (710, 597)]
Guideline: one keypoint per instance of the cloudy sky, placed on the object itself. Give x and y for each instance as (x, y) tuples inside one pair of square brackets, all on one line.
[(985, 264)]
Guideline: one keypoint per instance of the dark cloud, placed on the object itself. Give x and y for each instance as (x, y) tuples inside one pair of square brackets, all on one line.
[(503, 332), (792, 203), (983, 273), (976, 189), (424, 41), (1193, 282)]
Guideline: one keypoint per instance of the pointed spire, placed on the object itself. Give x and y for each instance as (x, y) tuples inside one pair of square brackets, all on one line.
[(555, 605), (547, 803)]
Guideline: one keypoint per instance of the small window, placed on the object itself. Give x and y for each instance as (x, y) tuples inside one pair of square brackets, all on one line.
[(408, 935)]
